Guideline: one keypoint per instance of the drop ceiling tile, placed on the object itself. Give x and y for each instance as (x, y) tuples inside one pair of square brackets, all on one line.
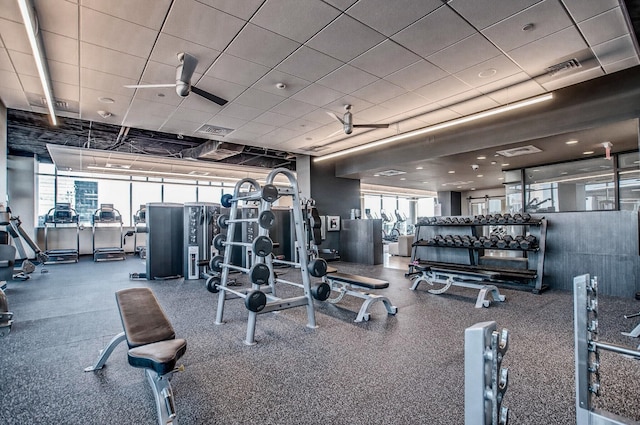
[(199, 103), (107, 82), (158, 73), (416, 75), (9, 80), (482, 13), (242, 112), (269, 83), (434, 32), (384, 59), (437, 116), (319, 116), (338, 105), (581, 10), (604, 27), (280, 135), (293, 108), (379, 91), (389, 17), (14, 37), (347, 79), (226, 68), (168, 47), (508, 83), (308, 64), (64, 73), (442, 89), (227, 122), (11, 11), (199, 23), (615, 50), (124, 36), (165, 95), (55, 16), (405, 102), (535, 57), (377, 113), (61, 49), (515, 92), (89, 99), (547, 18), (258, 99), (261, 46), (489, 71), (318, 95), (24, 63), (149, 13), (473, 105), (620, 65), (31, 84), (331, 39), (257, 128), (241, 136), (191, 115), (5, 62), (301, 124), (464, 54), (221, 88), (110, 61), (341, 4), (304, 18), (177, 126), (242, 9), (273, 118), (573, 79)]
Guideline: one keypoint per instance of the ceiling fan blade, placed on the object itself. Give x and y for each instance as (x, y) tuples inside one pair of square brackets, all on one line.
[(212, 97), (371, 125), (148, 86), (189, 64), (331, 114), (335, 133)]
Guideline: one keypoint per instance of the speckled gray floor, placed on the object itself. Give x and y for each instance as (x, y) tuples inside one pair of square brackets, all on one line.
[(407, 369)]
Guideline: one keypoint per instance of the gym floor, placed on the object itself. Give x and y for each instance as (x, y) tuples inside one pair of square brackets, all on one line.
[(403, 369)]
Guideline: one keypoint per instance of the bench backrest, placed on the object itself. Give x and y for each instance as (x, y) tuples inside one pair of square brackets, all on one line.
[(143, 319)]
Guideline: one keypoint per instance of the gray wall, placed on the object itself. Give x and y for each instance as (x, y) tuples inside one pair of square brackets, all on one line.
[(3, 153), (602, 243), (22, 192)]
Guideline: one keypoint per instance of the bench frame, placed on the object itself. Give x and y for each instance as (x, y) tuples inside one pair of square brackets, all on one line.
[(450, 278), (338, 283), (160, 384)]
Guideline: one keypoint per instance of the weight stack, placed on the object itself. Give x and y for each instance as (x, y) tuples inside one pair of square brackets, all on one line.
[(164, 240)]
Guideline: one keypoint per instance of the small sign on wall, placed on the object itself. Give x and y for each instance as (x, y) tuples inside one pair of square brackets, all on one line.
[(333, 223)]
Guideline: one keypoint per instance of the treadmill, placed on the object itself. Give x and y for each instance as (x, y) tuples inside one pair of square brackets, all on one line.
[(108, 217), (62, 216)]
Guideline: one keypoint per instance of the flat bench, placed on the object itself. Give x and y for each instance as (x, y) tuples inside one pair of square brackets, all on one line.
[(153, 346), (344, 284), (464, 278)]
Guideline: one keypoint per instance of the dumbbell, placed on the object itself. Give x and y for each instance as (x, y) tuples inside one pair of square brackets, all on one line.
[(457, 240), (515, 242), (497, 218), (467, 241), (449, 240), (491, 241), (466, 220), (478, 219), (478, 243), (440, 240), (504, 242), (528, 242), (508, 218), (431, 241)]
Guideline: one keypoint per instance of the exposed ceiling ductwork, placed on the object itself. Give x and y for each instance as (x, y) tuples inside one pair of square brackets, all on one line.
[(213, 150)]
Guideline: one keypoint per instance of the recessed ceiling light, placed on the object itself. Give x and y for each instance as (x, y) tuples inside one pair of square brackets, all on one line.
[(571, 142), (505, 165), (473, 188), (564, 173), (376, 175), (281, 86), (458, 187), (493, 162), (451, 172), (419, 168), (160, 95), (425, 182), (106, 100), (487, 73), (480, 175), (308, 138), (482, 157), (587, 152), (528, 27), (403, 178), (500, 178)]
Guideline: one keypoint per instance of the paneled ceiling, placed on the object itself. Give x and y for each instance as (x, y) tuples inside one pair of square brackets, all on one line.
[(283, 64)]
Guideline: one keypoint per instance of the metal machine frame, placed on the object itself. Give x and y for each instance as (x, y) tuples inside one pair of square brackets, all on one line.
[(107, 215), (62, 216)]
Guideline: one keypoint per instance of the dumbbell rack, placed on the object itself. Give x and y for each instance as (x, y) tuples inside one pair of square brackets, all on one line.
[(458, 257), (257, 300)]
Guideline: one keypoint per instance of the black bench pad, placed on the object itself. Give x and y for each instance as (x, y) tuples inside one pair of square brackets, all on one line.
[(143, 320), (159, 356), (365, 282)]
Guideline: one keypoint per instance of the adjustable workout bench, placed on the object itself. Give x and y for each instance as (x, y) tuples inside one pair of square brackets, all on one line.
[(343, 283), (152, 346), (465, 279)]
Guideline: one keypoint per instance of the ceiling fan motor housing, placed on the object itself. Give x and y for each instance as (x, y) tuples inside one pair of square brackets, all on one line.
[(348, 122), (182, 87)]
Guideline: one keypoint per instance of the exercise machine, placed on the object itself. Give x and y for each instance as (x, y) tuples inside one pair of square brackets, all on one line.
[(61, 217), (200, 226), (18, 234), (587, 354), (485, 380), (107, 217), (140, 228), (153, 346)]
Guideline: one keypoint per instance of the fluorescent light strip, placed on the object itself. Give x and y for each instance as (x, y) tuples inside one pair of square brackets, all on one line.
[(159, 173), (29, 23), (437, 127)]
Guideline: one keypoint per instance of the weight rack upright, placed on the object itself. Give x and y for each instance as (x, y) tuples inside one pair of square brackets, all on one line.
[(261, 269)]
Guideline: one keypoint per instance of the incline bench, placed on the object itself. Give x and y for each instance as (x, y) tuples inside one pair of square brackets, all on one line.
[(475, 279), (152, 346), (344, 283)]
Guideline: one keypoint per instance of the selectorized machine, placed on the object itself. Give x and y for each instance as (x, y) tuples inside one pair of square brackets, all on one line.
[(60, 217), (108, 217), (200, 226)]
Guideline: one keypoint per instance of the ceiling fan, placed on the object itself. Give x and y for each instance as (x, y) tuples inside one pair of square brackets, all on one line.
[(184, 72), (347, 121)]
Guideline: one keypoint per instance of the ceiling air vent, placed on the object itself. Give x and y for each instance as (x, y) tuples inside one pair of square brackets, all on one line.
[(213, 150), (58, 104), (523, 150), (390, 173), (198, 173), (568, 65), (214, 130)]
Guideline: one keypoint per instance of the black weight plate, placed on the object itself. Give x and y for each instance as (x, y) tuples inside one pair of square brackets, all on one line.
[(225, 201), (216, 263), (270, 193), (212, 284), (219, 241), (321, 291), (317, 267), (266, 219), (255, 301), (223, 221), (262, 246), (259, 274)]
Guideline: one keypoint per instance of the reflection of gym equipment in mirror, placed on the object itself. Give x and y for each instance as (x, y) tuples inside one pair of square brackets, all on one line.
[(64, 219), (108, 218), (18, 234)]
